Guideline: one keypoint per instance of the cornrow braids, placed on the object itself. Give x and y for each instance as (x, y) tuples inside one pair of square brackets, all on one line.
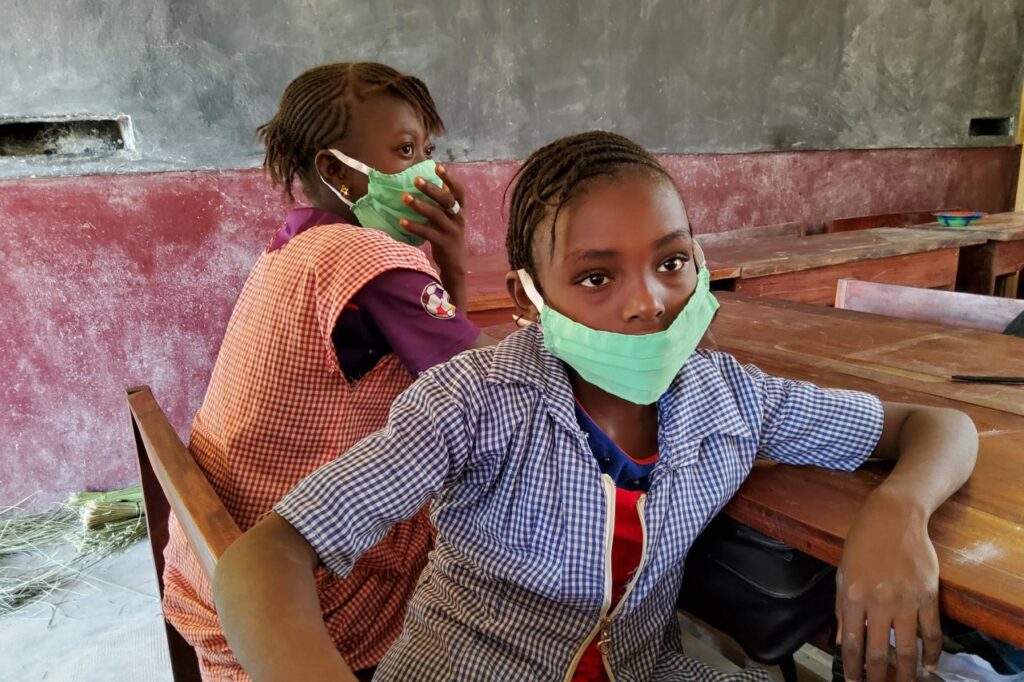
[(315, 109), (556, 173)]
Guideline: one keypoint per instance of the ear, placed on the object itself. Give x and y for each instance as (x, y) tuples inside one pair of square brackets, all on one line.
[(517, 293), (334, 172)]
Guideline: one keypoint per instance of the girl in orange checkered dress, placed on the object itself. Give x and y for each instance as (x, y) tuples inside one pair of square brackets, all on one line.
[(333, 322)]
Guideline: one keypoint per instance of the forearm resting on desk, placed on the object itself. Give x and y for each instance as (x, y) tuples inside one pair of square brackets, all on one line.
[(889, 573), (268, 606)]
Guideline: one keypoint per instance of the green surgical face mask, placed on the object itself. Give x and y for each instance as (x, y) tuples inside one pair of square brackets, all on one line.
[(635, 367), (382, 207)]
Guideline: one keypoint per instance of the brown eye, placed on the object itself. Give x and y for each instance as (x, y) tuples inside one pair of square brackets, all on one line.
[(406, 149), (429, 152), (674, 264), (594, 280)]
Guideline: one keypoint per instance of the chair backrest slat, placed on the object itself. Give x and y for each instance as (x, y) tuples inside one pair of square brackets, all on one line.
[(185, 490), (986, 313)]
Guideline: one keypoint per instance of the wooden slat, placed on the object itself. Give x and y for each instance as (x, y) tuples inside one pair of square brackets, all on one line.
[(209, 528), (987, 313), (935, 269), (865, 222)]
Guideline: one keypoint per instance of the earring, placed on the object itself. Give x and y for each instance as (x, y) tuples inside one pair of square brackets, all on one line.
[(344, 190)]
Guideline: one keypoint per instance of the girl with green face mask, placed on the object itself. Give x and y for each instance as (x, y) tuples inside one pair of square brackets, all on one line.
[(339, 315), (569, 469)]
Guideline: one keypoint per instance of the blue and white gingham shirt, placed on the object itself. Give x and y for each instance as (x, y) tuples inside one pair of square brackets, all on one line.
[(516, 583)]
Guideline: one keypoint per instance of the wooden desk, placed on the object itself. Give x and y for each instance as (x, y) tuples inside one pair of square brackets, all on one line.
[(807, 268), (489, 302), (992, 268), (979, 532)]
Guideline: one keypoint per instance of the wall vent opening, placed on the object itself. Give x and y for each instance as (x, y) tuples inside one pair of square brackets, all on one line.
[(79, 137), (990, 127)]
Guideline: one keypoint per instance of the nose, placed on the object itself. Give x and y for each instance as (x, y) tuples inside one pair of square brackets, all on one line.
[(645, 303)]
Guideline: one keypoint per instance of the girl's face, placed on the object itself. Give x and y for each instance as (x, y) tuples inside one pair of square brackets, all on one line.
[(622, 258), (385, 133)]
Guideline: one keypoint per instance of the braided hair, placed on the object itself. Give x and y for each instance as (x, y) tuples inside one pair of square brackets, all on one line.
[(315, 108), (556, 173)]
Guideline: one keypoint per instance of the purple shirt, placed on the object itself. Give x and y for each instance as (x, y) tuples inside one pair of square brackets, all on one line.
[(405, 312)]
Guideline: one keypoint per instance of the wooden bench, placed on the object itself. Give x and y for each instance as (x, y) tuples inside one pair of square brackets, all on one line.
[(172, 481), (986, 313)]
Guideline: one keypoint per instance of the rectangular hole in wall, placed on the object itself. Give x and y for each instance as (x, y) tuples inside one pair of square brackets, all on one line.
[(65, 137), (990, 127)]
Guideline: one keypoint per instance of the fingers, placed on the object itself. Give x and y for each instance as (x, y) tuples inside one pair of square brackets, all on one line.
[(853, 641), (454, 186), (433, 214), (439, 195), (421, 230), (877, 652), (931, 632), (905, 625)]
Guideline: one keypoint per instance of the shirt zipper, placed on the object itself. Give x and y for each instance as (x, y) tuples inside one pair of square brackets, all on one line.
[(605, 618), (606, 601), (605, 642)]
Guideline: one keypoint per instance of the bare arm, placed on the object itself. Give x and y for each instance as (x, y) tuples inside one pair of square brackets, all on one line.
[(889, 570), (267, 601)]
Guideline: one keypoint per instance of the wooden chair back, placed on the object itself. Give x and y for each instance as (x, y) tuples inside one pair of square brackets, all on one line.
[(172, 481), (985, 313), (865, 222)]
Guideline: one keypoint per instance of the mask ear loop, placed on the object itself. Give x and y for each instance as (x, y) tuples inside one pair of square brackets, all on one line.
[(699, 258), (351, 163), (531, 290)]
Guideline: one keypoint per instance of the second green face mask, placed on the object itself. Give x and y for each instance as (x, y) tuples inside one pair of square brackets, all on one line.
[(382, 207), (635, 367)]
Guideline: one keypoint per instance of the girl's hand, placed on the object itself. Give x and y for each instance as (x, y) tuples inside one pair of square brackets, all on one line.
[(888, 578), (444, 228)]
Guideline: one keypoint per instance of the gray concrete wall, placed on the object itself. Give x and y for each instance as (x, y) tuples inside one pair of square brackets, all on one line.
[(196, 76)]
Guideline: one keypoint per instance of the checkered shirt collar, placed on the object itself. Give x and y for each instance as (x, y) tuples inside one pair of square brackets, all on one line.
[(697, 404)]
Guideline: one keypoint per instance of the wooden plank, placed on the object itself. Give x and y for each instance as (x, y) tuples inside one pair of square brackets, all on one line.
[(762, 257), (209, 528), (906, 353), (936, 269), (865, 222), (987, 313)]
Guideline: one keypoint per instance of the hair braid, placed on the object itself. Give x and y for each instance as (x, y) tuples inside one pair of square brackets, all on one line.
[(314, 113), (555, 173)]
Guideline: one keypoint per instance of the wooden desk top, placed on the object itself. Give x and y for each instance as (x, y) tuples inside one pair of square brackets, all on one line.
[(997, 227), (776, 255), (918, 356), (485, 280)]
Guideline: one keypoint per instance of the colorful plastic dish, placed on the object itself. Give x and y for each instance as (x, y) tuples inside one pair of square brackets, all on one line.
[(958, 218)]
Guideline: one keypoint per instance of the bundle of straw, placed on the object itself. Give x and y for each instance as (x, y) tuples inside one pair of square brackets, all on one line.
[(93, 524), (110, 522)]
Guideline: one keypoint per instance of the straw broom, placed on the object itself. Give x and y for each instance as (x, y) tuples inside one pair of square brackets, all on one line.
[(93, 524)]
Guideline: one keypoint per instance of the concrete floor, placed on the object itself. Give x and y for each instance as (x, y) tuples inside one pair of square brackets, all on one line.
[(106, 627)]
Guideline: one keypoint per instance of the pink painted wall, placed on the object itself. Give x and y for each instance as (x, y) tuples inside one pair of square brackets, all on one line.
[(109, 281)]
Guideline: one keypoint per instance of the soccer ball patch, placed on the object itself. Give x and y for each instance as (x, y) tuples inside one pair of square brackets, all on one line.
[(436, 302)]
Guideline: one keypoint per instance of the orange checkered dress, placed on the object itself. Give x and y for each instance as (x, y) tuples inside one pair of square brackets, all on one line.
[(278, 407)]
